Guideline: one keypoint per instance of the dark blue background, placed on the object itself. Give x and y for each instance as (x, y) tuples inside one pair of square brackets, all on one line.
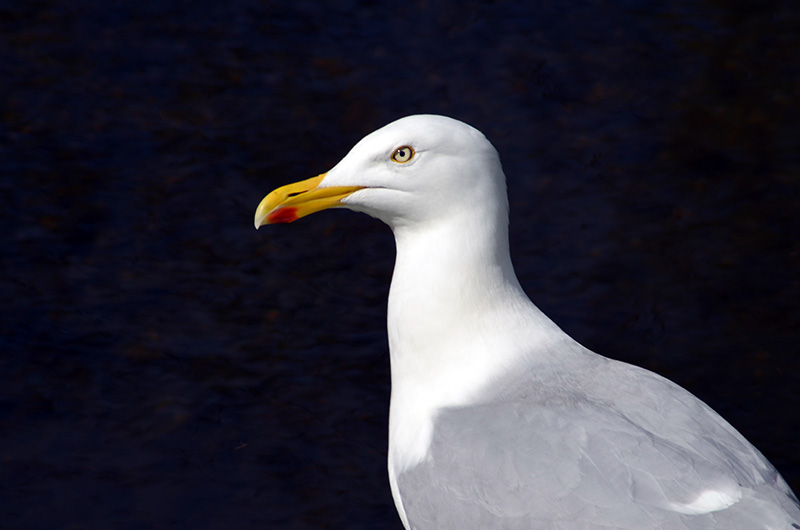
[(166, 366)]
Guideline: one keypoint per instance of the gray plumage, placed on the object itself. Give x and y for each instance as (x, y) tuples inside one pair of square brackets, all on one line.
[(614, 446)]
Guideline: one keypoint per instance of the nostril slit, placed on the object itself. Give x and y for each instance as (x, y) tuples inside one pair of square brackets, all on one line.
[(295, 194)]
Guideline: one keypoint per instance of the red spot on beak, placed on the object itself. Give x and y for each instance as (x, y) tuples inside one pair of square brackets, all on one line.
[(283, 215)]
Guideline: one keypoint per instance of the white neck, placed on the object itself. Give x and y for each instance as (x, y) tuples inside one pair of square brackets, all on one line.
[(453, 286)]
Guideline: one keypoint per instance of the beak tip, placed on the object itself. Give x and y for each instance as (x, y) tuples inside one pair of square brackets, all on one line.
[(260, 218)]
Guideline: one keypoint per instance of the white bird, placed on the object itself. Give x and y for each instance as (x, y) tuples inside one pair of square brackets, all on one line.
[(498, 419)]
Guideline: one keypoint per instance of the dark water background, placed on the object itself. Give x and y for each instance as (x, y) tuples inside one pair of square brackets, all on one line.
[(166, 366)]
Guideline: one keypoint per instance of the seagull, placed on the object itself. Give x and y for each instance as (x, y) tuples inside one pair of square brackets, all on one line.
[(498, 419)]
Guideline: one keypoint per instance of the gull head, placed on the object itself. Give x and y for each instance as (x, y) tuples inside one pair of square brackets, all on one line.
[(416, 171)]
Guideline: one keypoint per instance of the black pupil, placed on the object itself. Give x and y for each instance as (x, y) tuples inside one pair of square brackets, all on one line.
[(401, 153)]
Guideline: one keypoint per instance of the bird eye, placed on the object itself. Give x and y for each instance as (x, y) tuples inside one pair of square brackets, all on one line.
[(403, 154)]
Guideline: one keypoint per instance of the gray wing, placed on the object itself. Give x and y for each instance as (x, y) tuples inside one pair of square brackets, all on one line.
[(619, 448)]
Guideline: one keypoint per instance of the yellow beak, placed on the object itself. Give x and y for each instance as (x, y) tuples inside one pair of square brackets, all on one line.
[(293, 201)]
